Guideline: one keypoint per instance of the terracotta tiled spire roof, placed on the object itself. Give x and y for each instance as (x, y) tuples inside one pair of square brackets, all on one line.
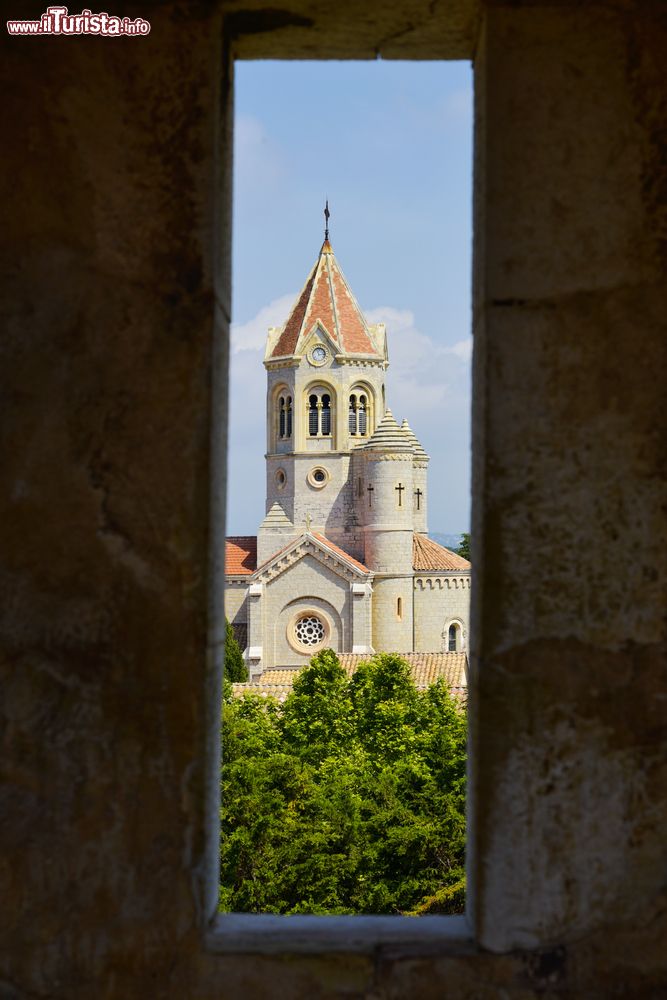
[(428, 555), (326, 298)]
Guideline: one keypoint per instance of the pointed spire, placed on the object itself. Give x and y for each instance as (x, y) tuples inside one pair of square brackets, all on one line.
[(326, 246), (417, 446), (327, 300)]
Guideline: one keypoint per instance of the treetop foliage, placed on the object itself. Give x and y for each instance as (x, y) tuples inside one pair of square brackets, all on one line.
[(347, 798), (464, 546), (235, 668)]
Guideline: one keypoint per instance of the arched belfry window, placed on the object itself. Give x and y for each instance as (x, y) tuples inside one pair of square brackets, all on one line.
[(319, 412), (284, 417), (326, 414), (313, 415), (357, 421)]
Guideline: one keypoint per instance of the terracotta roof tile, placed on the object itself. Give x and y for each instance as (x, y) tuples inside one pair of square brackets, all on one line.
[(426, 669), (241, 554), (428, 555), (324, 541), (321, 304), (341, 552), (327, 297), (287, 341), (353, 333), (277, 691)]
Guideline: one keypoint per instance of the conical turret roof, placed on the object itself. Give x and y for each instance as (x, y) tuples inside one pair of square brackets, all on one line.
[(417, 446), (326, 299), (389, 435)]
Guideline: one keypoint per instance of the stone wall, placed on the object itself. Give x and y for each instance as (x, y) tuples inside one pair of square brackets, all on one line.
[(236, 609), (312, 584), (440, 599), (115, 243)]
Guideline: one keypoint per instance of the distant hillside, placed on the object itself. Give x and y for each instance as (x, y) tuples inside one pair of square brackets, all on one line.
[(449, 541)]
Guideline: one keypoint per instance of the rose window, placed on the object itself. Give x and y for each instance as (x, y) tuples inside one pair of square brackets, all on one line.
[(309, 630)]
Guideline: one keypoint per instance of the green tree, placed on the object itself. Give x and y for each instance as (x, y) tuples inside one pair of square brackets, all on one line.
[(348, 798), (235, 668), (464, 546)]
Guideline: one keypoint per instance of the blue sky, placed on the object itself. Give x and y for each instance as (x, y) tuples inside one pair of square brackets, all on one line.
[(390, 145)]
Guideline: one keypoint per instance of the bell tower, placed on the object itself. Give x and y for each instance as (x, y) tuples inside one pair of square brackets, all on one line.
[(325, 395)]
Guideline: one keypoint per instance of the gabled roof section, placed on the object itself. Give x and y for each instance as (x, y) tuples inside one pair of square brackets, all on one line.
[(241, 554), (341, 552), (326, 299), (313, 542), (428, 555)]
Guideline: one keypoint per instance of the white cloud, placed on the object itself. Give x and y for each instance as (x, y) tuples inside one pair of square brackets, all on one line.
[(251, 336), (462, 350), (423, 373)]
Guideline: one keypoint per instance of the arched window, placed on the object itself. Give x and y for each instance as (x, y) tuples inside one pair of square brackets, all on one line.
[(326, 414), (284, 417), (352, 415), (361, 416), (319, 413), (357, 421), (399, 608), (453, 637)]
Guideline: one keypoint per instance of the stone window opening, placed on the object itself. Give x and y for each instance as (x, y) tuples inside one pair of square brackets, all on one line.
[(454, 637), (284, 417), (319, 413), (318, 421), (358, 414), (309, 631)]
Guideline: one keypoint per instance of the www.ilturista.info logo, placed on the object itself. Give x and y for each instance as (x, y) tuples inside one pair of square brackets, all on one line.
[(58, 21)]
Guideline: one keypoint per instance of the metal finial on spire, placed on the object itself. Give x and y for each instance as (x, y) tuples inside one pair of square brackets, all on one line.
[(327, 213)]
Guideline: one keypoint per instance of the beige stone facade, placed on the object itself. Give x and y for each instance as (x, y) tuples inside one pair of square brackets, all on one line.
[(117, 242), (337, 561)]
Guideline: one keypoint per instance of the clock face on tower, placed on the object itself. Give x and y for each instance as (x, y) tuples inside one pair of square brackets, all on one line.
[(318, 355)]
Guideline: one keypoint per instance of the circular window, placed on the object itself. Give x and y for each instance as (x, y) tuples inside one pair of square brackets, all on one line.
[(309, 630), (318, 477), (281, 479)]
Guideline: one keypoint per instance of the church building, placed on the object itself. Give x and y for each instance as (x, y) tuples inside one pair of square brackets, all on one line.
[(342, 559)]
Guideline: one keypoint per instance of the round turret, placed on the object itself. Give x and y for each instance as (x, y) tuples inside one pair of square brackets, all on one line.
[(388, 460), (420, 473)]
